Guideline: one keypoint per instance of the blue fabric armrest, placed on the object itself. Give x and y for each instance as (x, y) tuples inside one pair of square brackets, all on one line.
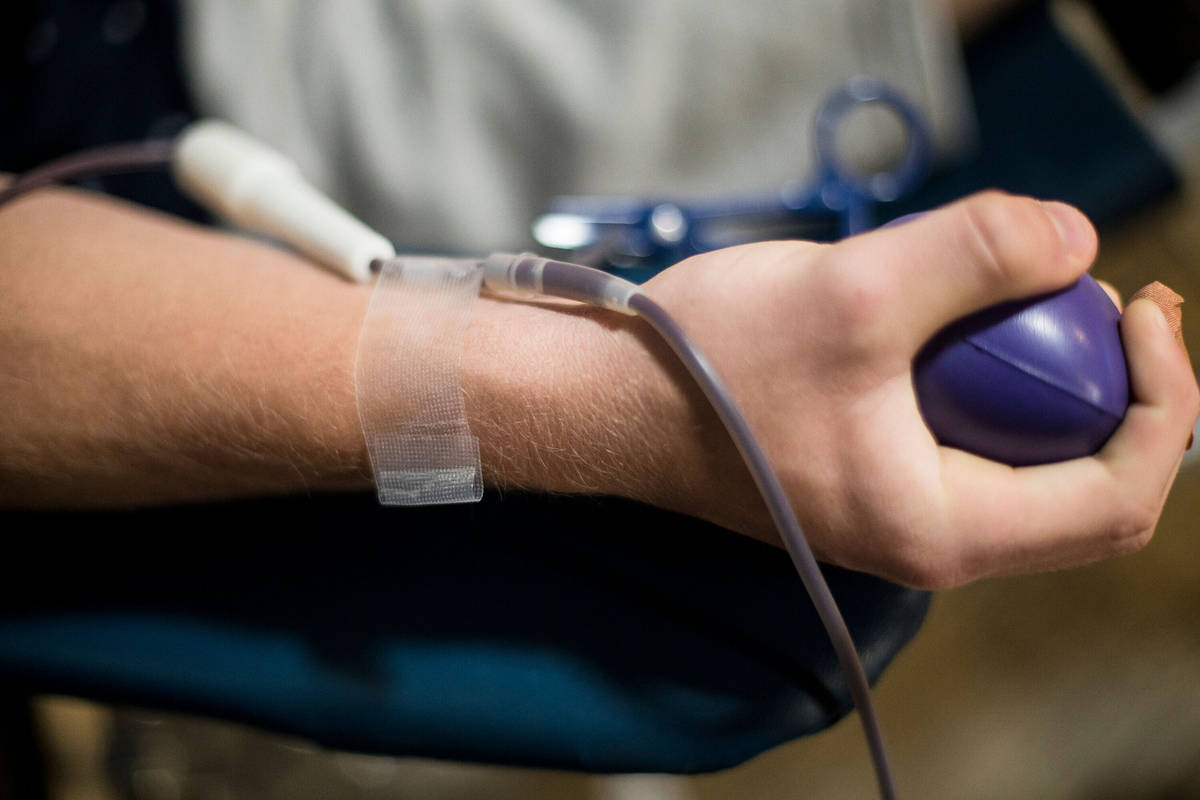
[(577, 633)]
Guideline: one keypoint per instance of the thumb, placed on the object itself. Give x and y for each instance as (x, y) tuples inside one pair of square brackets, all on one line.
[(974, 253)]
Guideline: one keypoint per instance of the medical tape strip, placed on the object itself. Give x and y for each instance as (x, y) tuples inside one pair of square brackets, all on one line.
[(406, 376)]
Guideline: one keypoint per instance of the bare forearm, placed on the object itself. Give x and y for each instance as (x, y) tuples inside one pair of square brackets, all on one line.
[(149, 361)]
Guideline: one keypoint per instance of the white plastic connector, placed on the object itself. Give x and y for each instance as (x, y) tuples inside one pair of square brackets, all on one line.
[(616, 295), (259, 189), (527, 274), (500, 273)]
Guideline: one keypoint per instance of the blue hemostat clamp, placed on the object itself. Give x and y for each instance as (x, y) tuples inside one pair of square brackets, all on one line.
[(648, 234)]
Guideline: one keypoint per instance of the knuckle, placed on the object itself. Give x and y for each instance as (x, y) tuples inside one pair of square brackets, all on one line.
[(912, 542), (1193, 398), (1135, 527), (1130, 544), (1008, 235), (1188, 411), (855, 305), (926, 563), (927, 575)]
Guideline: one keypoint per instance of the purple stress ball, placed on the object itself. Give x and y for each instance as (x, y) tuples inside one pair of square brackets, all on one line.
[(1028, 382)]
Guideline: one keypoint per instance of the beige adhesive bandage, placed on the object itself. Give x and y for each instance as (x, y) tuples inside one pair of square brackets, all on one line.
[(406, 380), (1168, 302)]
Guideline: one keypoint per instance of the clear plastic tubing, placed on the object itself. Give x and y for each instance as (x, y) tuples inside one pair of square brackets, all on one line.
[(247, 182), (531, 274)]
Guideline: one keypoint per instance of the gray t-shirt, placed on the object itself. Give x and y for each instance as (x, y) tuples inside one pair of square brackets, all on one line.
[(450, 123)]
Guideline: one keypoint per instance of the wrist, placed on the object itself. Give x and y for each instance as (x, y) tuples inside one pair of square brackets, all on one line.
[(571, 399)]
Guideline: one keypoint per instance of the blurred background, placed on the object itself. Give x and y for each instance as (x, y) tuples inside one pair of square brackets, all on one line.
[(1083, 684)]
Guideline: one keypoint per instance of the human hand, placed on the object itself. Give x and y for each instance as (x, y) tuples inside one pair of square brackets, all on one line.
[(148, 362), (817, 342)]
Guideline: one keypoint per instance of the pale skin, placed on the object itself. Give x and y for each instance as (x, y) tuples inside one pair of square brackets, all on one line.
[(146, 361)]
